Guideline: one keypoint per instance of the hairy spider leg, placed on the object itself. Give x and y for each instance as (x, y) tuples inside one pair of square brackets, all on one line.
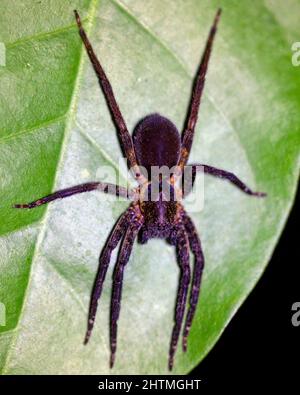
[(104, 260), (123, 258), (223, 174), (89, 186), (183, 260), (188, 133), (125, 137), (196, 248)]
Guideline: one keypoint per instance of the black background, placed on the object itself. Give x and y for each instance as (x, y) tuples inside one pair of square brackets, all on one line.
[(260, 344)]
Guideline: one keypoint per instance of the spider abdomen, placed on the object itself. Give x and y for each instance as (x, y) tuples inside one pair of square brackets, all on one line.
[(156, 142)]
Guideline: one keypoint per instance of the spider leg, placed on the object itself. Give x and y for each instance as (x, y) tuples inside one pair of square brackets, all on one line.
[(123, 258), (197, 275), (90, 186), (224, 175), (104, 260), (188, 133), (183, 260), (126, 140)]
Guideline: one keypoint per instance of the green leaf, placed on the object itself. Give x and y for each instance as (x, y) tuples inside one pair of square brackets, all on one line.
[(56, 132)]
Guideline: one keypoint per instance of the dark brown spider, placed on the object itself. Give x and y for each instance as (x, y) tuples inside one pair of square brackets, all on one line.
[(156, 143)]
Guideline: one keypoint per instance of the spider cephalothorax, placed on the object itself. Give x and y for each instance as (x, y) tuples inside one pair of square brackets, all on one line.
[(156, 209)]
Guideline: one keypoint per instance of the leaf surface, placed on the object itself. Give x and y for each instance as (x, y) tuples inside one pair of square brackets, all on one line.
[(56, 132)]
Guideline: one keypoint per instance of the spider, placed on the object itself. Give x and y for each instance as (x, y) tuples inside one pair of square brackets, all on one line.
[(156, 142)]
